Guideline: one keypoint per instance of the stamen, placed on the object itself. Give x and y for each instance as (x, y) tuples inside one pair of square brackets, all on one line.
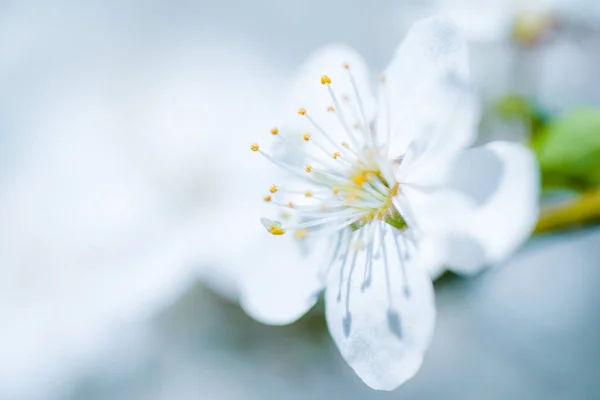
[(273, 189), (340, 115), (388, 121), (323, 272), (322, 131), (341, 279), (301, 233), (385, 263), (361, 108), (402, 258), (273, 227), (274, 131), (306, 138), (288, 168), (369, 260), (349, 280), (254, 147)]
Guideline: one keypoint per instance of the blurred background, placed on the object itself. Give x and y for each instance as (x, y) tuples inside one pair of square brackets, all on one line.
[(123, 132)]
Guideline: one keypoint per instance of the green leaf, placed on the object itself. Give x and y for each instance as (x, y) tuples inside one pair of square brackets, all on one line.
[(568, 150)]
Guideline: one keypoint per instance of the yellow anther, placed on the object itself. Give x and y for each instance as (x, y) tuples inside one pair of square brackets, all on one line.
[(345, 145), (325, 79), (336, 155), (306, 137), (254, 147), (301, 233), (336, 190), (308, 193), (346, 65), (291, 205), (273, 189), (276, 230), (267, 198), (302, 111), (274, 131), (359, 179), (331, 109), (308, 168)]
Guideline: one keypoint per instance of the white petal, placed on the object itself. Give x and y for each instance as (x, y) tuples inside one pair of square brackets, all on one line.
[(502, 179), (382, 330), (308, 92), (433, 211), (449, 122), (432, 51), (283, 282)]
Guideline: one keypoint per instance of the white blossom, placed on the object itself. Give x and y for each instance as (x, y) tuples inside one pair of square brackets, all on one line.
[(373, 195)]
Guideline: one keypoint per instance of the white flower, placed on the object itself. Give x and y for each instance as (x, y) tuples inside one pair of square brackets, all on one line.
[(377, 194)]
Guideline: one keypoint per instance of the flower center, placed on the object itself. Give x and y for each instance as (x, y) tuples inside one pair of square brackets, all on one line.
[(351, 183)]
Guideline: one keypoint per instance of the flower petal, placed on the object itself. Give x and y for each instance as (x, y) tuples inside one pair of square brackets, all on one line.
[(449, 123), (309, 93), (502, 178), (432, 51), (433, 211), (380, 319), (284, 282)]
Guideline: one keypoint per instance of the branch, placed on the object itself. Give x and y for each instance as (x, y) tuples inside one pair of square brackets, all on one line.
[(582, 211)]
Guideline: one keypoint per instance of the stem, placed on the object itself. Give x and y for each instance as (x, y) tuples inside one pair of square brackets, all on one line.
[(582, 211)]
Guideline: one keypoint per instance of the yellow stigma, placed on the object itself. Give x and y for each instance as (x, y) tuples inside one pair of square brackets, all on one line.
[(306, 137), (273, 189), (308, 193), (274, 131), (267, 198), (346, 65), (276, 230), (301, 233), (330, 109), (302, 111), (254, 147), (325, 79), (336, 155), (308, 168), (336, 190)]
